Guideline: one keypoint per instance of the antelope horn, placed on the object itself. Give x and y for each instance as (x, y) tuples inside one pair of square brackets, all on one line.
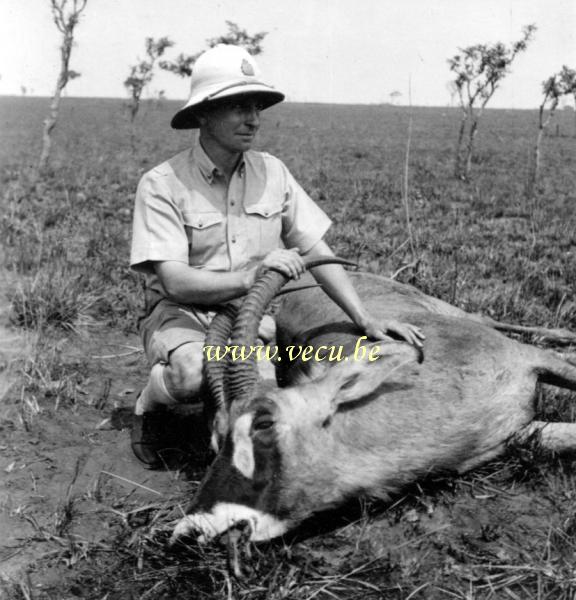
[(298, 288), (214, 370), (242, 374)]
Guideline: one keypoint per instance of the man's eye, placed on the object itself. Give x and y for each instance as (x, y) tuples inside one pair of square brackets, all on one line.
[(244, 108)]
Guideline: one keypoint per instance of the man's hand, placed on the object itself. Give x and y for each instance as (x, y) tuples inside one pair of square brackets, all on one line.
[(376, 330), (288, 262)]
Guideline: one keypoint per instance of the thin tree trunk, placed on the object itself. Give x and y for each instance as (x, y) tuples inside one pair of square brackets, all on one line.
[(52, 118), (134, 107), (458, 154), (471, 137), (574, 114), (49, 124), (534, 171), (470, 147)]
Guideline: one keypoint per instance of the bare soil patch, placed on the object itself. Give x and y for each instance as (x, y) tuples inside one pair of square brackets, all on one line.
[(65, 460)]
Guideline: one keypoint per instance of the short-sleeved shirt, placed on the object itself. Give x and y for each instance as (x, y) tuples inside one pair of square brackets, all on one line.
[(185, 212)]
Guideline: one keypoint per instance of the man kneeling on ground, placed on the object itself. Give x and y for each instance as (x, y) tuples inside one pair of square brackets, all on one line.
[(207, 223)]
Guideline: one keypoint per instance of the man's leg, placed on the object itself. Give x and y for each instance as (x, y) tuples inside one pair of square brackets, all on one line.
[(173, 339), (173, 383)]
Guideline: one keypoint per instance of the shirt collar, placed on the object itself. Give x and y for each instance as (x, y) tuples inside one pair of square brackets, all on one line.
[(208, 169)]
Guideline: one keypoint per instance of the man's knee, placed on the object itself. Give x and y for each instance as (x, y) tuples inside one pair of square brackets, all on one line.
[(183, 373)]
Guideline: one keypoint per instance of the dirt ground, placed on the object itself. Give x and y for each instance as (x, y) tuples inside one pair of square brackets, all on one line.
[(73, 500), (63, 462)]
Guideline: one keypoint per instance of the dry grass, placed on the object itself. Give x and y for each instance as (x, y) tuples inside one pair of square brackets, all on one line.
[(55, 297), (506, 531), (430, 560)]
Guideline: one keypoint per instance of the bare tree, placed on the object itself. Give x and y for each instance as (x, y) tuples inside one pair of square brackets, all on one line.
[(574, 96), (66, 16), (240, 37), (142, 73), (183, 63), (479, 69), (452, 90), (560, 84)]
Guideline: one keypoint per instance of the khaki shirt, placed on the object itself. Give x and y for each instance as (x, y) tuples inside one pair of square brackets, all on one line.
[(185, 212)]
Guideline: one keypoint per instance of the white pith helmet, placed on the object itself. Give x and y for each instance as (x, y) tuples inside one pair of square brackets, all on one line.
[(220, 72)]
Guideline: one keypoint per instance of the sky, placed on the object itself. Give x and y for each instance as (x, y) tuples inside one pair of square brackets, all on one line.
[(341, 51)]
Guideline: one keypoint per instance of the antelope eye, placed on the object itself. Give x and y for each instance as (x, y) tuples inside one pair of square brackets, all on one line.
[(262, 422)]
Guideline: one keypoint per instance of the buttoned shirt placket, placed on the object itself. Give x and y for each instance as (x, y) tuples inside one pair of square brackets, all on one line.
[(234, 207), (230, 203)]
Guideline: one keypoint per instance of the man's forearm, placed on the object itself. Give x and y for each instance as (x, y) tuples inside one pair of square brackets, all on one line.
[(187, 285), (337, 285)]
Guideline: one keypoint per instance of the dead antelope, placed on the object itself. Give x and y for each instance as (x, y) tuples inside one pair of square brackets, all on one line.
[(354, 427)]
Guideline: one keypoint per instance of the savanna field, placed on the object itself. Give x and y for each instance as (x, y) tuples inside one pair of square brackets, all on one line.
[(81, 519)]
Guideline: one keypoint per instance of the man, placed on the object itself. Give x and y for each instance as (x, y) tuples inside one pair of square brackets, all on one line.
[(207, 223)]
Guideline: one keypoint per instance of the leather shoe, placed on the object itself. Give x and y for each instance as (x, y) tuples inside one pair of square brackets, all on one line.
[(155, 439)]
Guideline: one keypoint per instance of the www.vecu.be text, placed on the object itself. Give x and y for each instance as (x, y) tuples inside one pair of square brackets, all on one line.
[(292, 353)]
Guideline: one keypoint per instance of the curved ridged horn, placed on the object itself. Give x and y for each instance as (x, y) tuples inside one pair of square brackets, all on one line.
[(215, 370), (242, 374)]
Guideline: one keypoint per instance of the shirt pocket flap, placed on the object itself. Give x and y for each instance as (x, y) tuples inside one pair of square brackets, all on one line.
[(201, 220), (264, 209)]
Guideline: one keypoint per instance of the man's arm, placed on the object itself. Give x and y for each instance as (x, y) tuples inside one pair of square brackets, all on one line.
[(186, 285), (338, 286)]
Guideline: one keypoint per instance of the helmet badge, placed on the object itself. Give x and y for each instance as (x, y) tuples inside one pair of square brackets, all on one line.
[(247, 68)]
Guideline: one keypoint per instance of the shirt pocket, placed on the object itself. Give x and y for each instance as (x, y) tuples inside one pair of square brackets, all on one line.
[(265, 223), (206, 235)]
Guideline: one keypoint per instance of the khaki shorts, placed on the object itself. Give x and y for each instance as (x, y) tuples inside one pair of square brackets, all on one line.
[(170, 325)]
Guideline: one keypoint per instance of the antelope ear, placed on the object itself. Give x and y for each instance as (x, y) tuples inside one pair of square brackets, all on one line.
[(353, 379)]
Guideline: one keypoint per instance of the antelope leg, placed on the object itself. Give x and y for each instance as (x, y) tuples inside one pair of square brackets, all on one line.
[(559, 335), (558, 437)]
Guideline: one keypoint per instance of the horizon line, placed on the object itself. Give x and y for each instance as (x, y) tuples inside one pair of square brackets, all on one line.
[(319, 102)]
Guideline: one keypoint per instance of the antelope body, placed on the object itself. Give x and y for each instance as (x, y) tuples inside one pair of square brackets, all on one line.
[(356, 427)]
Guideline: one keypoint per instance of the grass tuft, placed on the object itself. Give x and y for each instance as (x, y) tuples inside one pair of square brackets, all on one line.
[(55, 297)]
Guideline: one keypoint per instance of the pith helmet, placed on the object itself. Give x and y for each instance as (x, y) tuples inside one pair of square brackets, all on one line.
[(220, 72)]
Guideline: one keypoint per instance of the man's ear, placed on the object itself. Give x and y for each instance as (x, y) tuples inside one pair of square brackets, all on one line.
[(353, 379)]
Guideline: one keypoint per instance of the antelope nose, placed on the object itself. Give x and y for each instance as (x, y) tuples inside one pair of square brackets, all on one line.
[(195, 527)]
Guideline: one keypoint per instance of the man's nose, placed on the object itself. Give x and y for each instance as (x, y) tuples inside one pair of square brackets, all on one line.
[(252, 116)]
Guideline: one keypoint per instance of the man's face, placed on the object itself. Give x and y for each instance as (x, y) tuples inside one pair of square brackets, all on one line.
[(231, 124)]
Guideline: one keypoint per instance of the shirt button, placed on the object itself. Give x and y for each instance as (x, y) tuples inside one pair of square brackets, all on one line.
[(200, 224), (233, 239), (232, 202)]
